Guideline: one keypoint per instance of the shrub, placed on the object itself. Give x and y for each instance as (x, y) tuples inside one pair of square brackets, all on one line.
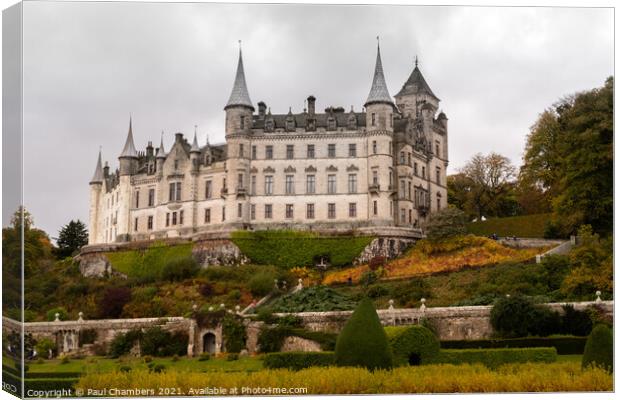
[(555, 268), (291, 321), (376, 262), (51, 314), (545, 322), (575, 322), (266, 315), (410, 292), (412, 345), (376, 291), (315, 298), (125, 368), (64, 360), (363, 342), (599, 350), (148, 359), (180, 269), (529, 226), (368, 278), (123, 342), (206, 290), (518, 316), (298, 360), (204, 357), (493, 358), (446, 223), (157, 368), (234, 334), (44, 345), (87, 336), (270, 340), (563, 344), (262, 283), (232, 357), (113, 301)]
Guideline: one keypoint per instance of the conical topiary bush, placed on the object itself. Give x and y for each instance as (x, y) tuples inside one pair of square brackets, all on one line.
[(363, 342), (599, 350)]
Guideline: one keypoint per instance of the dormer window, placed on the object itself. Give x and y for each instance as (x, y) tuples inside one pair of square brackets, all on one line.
[(331, 123), (290, 124), (269, 126)]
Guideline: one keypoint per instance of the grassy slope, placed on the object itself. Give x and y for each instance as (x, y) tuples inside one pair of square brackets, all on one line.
[(528, 226), (147, 263), (472, 252)]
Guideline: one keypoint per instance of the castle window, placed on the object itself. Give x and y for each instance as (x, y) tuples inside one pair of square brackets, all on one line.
[(424, 172), (437, 148), (290, 151), (409, 191), (239, 210), (390, 148), (290, 184), (391, 178), (269, 152), (373, 119), (135, 224), (374, 147), (175, 191), (289, 211), (268, 211), (352, 210), (402, 215), (409, 159), (252, 211), (310, 151), (149, 223), (375, 177), (174, 218), (167, 219), (402, 157), (207, 215), (392, 208), (352, 183), (415, 168), (331, 184), (242, 122), (352, 150), (438, 175), (310, 211), (208, 189), (310, 184), (176, 165), (331, 123), (253, 152), (268, 185), (240, 150), (391, 120), (223, 213), (181, 217), (239, 181), (331, 210), (331, 150), (253, 185), (137, 198), (375, 208), (410, 216), (438, 203), (151, 197), (402, 189)]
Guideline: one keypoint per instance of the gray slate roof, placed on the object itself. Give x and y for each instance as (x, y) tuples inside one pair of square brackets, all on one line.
[(195, 148), (378, 91), (161, 153), (239, 95), (342, 119), (416, 84), (98, 175), (129, 150)]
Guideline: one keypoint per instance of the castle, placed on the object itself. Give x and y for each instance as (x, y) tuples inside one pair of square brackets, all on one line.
[(337, 170)]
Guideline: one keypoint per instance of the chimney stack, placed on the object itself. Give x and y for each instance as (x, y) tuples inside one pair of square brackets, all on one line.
[(262, 107), (311, 102)]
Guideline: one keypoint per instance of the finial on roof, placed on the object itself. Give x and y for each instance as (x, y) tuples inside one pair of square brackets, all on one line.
[(129, 150), (207, 140), (416, 61), (239, 95), (98, 175), (378, 91), (195, 148), (161, 153)]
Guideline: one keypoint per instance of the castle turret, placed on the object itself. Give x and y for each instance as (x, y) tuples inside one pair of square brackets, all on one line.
[(129, 156), (239, 107), (96, 184), (194, 151), (415, 93), (161, 155), (379, 105)]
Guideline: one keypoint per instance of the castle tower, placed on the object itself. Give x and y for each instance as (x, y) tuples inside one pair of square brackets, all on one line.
[(161, 156), (128, 162), (380, 127), (239, 112), (96, 186), (414, 94)]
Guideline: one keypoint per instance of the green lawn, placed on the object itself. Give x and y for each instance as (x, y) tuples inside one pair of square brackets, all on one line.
[(102, 364), (569, 358)]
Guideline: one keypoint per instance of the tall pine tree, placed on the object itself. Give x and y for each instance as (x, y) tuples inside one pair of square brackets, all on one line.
[(71, 238)]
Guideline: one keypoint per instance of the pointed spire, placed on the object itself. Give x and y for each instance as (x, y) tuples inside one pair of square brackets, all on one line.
[(239, 95), (98, 175), (416, 84), (195, 148), (378, 91), (129, 150), (161, 153)]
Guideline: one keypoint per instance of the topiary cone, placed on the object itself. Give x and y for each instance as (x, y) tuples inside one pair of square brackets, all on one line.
[(599, 350), (363, 342)]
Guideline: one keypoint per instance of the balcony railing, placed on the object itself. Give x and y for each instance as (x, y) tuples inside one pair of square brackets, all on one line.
[(374, 188)]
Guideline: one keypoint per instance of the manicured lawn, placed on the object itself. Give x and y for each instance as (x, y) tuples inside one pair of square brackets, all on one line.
[(102, 364), (570, 358)]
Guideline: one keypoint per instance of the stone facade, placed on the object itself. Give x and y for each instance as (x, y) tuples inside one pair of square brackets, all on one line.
[(384, 166)]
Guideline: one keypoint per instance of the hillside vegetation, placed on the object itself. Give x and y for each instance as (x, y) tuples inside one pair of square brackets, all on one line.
[(148, 263), (428, 258), (523, 226)]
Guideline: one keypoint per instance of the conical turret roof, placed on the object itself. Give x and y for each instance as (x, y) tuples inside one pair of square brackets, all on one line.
[(98, 175), (378, 91), (416, 84), (195, 148), (239, 95), (161, 153), (129, 150)]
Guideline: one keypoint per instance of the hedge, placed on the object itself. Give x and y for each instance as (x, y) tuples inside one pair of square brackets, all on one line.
[(298, 360), (493, 358), (599, 349), (526, 226), (412, 345), (297, 249), (563, 345)]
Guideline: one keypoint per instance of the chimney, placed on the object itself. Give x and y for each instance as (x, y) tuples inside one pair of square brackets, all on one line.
[(311, 102), (178, 137), (262, 107), (106, 170), (149, 149)]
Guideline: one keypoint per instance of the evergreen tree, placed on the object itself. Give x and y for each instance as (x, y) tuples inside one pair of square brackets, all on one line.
[(71, 238), (599, 350)]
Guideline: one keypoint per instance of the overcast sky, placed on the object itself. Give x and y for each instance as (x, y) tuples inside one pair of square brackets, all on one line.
[(87, 66)]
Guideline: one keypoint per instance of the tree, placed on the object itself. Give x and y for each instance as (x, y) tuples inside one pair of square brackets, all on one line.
[(599, 350), (71, 238), (113, 301), (363, 342), (485, 186), (446, 223)]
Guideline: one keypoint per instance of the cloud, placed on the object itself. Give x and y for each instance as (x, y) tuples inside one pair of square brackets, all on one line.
[(87, 66)]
